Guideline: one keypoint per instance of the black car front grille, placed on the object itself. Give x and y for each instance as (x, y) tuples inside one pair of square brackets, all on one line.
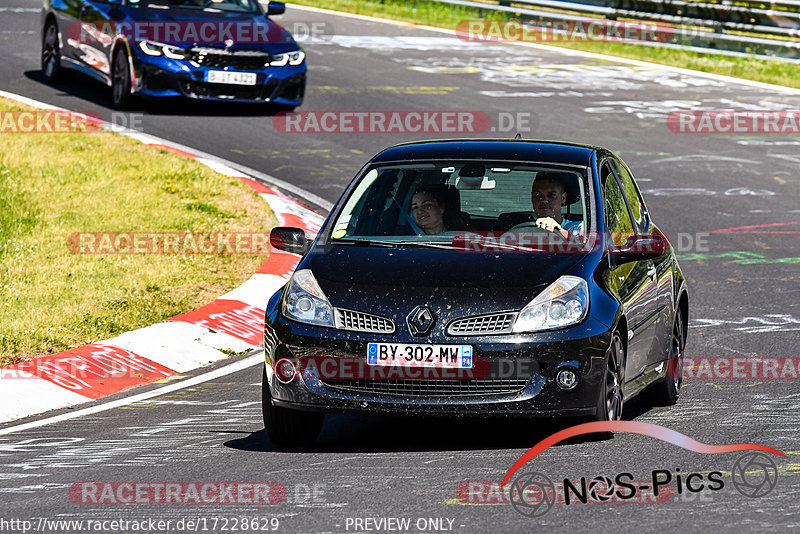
[(428, 388), (226, 91), (157, 82), (220, 58), (496, 323), (293, 88), (355, 321)]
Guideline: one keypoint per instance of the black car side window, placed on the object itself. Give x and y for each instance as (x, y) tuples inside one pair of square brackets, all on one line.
[(618, 219), (631, 192)]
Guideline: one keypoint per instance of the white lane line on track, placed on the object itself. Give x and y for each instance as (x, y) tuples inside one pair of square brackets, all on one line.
[(150, 139), (438, 460), (249, 361), (566, 51)]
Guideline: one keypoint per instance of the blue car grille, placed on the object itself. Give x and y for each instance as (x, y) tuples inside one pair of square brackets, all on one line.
[(220, 58)]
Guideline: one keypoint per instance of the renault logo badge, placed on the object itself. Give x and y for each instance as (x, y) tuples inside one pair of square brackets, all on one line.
[(420, 321)]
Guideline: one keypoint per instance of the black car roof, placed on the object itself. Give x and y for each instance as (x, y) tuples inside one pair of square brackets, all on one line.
[(491, 149)]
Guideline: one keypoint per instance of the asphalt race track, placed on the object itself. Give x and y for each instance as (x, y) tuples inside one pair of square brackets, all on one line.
[(744, 293)]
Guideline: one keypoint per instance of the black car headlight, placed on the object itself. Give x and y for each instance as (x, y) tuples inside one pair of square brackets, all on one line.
[(152, 48), (291, 58), (305, 302), (564, 302)]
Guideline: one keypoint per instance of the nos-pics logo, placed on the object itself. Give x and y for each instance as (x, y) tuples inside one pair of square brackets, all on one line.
[(533, 494)]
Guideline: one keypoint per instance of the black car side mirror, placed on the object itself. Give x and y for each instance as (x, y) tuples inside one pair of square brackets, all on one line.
[(289, 239), (276, 8), (640, 247)]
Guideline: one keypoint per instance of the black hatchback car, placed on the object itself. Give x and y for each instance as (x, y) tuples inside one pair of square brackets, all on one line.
[(496, 277), (219, 50)]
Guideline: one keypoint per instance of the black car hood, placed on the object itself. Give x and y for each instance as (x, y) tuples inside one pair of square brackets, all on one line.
[(388, 281), (279, 40)]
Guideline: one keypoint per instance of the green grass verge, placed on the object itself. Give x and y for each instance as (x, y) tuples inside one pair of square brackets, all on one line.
[(52, 185), (448, 16)]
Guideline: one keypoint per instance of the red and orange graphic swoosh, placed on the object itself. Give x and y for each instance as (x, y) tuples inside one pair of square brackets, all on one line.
[(633, 427)]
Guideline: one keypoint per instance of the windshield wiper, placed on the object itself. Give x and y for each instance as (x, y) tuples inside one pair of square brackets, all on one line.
[(428, 244), (364, 243)]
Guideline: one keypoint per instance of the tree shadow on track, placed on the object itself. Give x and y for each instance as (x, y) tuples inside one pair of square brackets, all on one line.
[(86, 88), (364, 433), (77, 85)]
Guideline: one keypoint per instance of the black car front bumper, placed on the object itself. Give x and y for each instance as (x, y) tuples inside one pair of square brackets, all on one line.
[(518, 377)]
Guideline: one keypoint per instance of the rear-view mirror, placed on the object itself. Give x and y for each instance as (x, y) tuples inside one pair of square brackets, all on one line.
[(289, 239), (276, 8), (640, 247)]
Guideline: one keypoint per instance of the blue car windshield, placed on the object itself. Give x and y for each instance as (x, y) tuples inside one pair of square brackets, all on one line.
[(437, 202), (236, 6)]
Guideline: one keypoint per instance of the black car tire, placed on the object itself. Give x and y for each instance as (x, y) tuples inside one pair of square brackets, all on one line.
[(666, 392), (610, 402), (120, 79), (51, 54), (286, 427)]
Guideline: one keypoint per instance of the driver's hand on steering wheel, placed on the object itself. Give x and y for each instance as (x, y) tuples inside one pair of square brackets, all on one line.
[(549, 224)]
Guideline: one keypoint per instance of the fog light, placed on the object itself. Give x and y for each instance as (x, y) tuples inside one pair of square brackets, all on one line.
[(566, 379), (285, 370)]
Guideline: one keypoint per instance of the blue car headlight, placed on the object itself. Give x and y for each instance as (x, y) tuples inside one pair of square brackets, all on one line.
[(291, 58), (564, 302), (305, 302), (152, 48)]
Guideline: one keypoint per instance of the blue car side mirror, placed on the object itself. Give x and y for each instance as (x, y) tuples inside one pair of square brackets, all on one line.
[(276, 8)]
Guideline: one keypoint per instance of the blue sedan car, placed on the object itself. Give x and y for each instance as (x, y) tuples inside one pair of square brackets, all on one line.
[(218, 50)]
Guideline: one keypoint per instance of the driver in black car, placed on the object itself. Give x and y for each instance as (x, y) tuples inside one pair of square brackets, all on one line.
[(548, 195)]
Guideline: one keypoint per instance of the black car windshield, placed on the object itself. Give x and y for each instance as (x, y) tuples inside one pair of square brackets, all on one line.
[(442, 203), (237, 6)]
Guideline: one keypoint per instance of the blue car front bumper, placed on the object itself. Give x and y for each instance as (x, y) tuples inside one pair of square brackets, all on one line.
[(160, 77)]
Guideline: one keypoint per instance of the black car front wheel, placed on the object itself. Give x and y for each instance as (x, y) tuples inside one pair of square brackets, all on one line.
[(666, 392), (611, 401), (286, 427), (121, 79), (51, 54)]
